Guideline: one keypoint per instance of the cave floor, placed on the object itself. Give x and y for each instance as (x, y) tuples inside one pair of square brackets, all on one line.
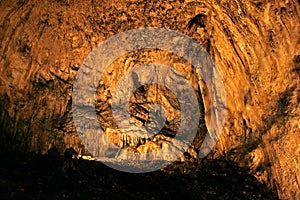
[(31, 176)]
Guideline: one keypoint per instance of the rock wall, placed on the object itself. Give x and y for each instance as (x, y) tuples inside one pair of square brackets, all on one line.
[(255, 45)]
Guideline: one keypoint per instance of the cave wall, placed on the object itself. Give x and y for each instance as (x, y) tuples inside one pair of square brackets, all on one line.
[(255, 45)]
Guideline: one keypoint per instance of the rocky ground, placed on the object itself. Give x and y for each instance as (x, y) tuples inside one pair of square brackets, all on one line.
[(254, 44), (31, 176)]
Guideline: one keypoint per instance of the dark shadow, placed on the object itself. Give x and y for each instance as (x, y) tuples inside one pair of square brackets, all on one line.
[(31, 176)]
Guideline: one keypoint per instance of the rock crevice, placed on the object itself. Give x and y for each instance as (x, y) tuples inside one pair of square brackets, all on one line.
[(254, 44)]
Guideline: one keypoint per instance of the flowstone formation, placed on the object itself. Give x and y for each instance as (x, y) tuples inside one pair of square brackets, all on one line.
[(254, 44)]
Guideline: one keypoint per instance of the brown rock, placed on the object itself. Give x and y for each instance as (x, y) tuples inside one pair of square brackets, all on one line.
[(255, 45)]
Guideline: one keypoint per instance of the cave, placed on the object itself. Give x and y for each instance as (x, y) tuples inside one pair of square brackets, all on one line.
[(244, 131)]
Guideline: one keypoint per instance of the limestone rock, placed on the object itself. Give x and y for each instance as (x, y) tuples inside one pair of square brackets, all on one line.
[(254, 44)]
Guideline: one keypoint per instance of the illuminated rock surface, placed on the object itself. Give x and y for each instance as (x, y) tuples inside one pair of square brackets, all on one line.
[(255, 45)]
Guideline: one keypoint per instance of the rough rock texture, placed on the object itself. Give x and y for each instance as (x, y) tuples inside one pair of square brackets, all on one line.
[(255, 45)]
